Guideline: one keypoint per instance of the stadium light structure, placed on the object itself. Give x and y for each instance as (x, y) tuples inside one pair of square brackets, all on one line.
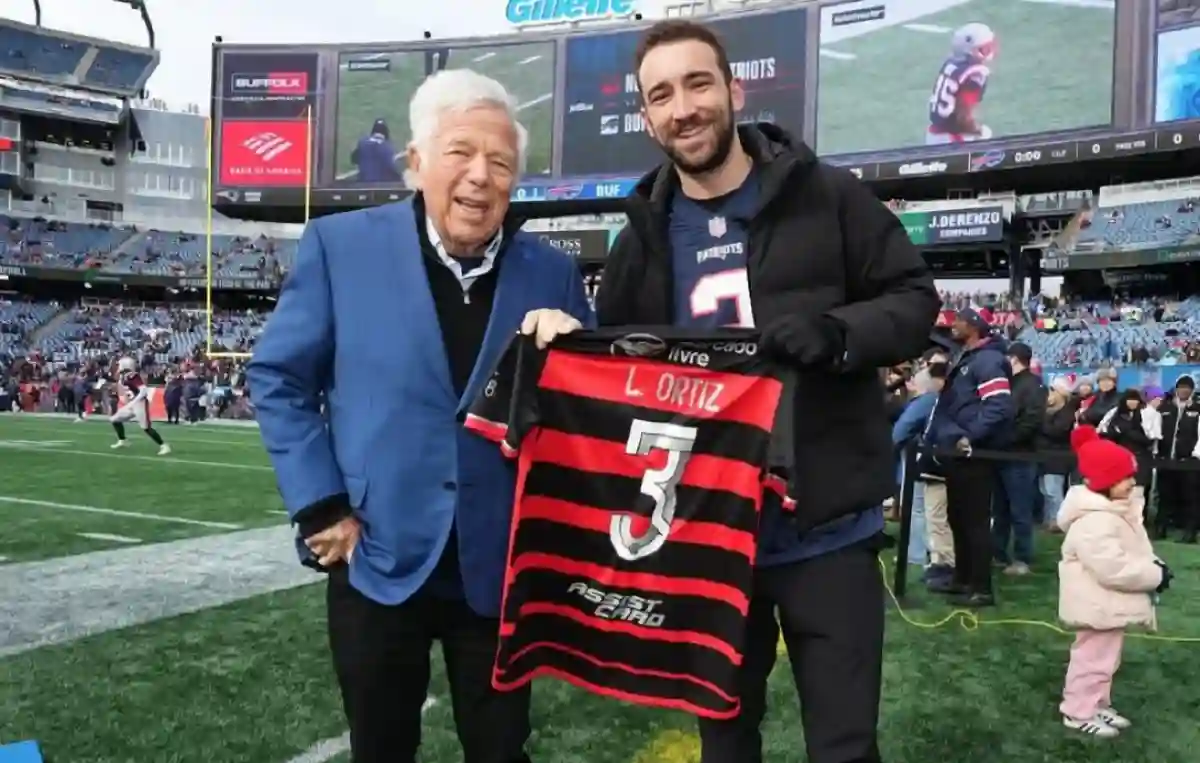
[(37, 12), (140, 5)]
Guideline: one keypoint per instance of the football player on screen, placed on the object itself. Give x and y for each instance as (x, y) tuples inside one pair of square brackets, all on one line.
[(959, 88), (135, 406)]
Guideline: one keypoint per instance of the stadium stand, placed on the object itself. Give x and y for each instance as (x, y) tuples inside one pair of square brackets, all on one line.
[(118, 249), (59, 58)]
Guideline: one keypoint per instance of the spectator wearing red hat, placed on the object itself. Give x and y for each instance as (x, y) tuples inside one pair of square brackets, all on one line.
[(1108, 578)]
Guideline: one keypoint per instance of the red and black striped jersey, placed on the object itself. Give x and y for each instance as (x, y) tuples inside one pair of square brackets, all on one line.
[(640, 476)]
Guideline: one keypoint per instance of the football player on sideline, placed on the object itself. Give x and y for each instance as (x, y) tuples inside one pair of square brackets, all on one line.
[(135, 407), (960, 86)]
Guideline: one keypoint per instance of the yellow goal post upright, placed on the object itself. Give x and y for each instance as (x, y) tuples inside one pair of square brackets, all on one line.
[(209, 273)]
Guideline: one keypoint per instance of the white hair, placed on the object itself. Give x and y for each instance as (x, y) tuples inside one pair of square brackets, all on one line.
[(457, 90)]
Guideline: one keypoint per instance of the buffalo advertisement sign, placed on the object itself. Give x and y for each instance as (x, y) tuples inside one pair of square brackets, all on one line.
[(265, 116), (977, 225), (603, 128), (898, 90)]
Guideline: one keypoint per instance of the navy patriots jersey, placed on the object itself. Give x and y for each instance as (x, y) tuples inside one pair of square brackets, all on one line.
[(959, 87), (709, 249), (642, 464)]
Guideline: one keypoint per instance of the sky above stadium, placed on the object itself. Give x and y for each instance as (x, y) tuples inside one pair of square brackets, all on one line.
[(185, 30)]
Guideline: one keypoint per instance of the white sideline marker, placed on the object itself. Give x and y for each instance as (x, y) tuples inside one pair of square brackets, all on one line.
[(331, 748), (837, 55), (155, 459), (110, 537), (118, 513)]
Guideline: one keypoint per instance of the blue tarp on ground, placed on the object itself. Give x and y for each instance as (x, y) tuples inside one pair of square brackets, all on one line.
[(20, 752)]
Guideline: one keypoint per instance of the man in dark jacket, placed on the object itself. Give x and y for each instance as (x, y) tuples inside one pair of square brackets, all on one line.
[(1179, 490), (744, 227), (975, 410), (1013, 507), (1106, 397)]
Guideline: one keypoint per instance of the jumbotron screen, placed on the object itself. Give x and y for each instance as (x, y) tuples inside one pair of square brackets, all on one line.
[(889, 88)]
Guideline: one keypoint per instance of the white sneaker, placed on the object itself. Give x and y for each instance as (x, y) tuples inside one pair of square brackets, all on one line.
[(1113, 718), (164, 450), (1095, 726), (120, 444)]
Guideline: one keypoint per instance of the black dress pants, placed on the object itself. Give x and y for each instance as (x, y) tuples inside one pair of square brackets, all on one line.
[(381, 657), (969, 485), (830, 610)]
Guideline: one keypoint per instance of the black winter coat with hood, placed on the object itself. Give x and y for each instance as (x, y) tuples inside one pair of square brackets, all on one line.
[(827, 261)]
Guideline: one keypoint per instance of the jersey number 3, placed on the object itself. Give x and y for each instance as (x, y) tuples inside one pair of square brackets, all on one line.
[(661, 485)]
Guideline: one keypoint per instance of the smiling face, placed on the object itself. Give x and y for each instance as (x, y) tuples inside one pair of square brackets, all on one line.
[(689, 101), (466, 175)]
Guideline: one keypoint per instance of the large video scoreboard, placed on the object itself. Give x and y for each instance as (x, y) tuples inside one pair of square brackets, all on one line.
[(861, 81)]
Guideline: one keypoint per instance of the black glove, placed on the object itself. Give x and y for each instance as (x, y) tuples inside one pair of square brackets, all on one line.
[(1167, 577), (807, 342)]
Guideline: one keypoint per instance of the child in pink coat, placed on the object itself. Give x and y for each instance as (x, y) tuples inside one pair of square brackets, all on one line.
[(1108, 579)]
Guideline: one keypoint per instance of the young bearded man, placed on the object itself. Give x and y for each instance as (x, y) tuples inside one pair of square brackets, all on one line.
[(744, 227)]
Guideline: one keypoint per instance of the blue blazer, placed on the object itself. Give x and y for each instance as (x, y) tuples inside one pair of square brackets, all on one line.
[(356, 323)]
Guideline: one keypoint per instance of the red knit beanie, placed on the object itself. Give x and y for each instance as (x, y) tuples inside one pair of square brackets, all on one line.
[(1102, 463)]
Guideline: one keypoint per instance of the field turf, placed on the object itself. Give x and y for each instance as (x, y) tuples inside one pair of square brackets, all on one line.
[(525, 69), (249, 681), (1053, 72)]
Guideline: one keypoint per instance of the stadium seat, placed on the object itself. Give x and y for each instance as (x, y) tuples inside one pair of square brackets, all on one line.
[(28, 52), (117, 68)]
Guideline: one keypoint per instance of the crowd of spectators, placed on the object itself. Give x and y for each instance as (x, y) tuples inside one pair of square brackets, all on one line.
[(993, 436), (129, 250), (55, 357)]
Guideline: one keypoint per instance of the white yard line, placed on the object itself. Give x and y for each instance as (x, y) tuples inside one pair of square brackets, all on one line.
[(1101, 5), (118, 513), (529, 60), (110, 537), (331, 748), (155, 459), (56, 601), (535, 101), (483, 57), (837, 54), (3, 559), (928, 28)]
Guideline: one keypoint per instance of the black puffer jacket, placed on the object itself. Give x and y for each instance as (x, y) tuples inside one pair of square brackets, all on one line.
[(822, 250)]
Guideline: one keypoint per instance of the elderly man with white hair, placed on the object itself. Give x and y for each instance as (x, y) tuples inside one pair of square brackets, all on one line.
[(394, 317)]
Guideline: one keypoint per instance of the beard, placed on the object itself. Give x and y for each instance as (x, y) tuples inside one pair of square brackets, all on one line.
[(725, 130)]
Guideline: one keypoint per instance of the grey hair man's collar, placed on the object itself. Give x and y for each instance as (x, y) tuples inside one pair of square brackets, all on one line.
[(465, 279)]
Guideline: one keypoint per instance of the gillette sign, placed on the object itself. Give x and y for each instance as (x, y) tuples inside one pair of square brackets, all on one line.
[(525, 13)]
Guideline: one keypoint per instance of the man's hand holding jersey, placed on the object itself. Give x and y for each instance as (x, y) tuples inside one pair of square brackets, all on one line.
[(546, 325)]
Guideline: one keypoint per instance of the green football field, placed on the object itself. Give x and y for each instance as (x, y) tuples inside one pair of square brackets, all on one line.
[(525, 69), (1053, 72), (151, 611)]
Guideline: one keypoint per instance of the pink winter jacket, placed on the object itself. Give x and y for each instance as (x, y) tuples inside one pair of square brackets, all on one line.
[(1108, 569)]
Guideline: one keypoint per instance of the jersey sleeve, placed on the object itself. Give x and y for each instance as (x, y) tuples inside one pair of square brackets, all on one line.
[(506, 410)]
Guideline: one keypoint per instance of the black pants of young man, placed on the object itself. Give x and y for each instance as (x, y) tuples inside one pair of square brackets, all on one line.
[(1179, 500), (381, 657), (830, 610), (969, 486)]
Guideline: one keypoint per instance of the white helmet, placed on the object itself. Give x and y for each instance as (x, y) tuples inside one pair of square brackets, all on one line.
[(975, 40), (126, 365)]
